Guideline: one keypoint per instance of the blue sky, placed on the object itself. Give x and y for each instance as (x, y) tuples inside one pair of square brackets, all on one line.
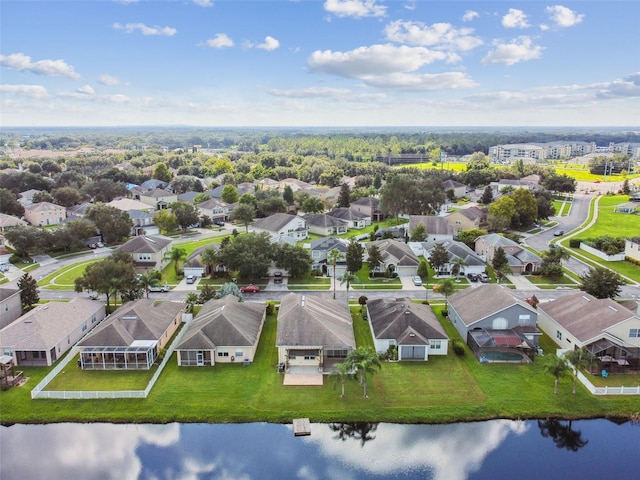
[(319, 63)]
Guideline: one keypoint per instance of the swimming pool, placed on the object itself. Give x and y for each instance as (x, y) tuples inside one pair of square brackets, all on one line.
[(494, 357)]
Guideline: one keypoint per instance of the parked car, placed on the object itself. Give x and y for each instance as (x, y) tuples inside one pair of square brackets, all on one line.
[(99, 244), (4, 267), (191, 279), (159, 288), (558, 232), (219, 223), (93, 246), (277, 277), (251, 288), (417, 281), (472, 277), (484, 278)]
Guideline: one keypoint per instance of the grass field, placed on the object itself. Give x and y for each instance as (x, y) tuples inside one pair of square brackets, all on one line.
[(444, 389)]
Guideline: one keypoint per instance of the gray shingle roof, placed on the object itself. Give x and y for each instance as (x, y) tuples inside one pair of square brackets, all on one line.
[(435, 225), (403, 320), (305, 320), (584, 315), (323, 220), (226, 322), (474, 304), (328, 244), (145, 244), (397, 251), (347, 214), (143, 319), (275, 222)]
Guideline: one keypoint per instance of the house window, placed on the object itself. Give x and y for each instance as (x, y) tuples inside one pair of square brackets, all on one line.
[(239, 353), (634, 333), (524, 319), (435, 344), (558, 334), (84, 326), (309, 357), (223, 354), (93, 319)]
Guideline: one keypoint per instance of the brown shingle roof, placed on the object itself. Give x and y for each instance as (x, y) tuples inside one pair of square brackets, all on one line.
[(474, 304), (400, 318)]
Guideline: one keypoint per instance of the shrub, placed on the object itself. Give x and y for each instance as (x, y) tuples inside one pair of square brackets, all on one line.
[(271, 308), (362, 300), (575, 243), (458, 347)]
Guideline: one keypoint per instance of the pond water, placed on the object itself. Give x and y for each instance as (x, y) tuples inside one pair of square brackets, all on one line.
[(483, 450)]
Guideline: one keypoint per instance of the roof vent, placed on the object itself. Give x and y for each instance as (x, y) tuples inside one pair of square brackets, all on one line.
[(302, 301), (586, 298), (412, 334), (613, 308), (129, 317), (407, 312)]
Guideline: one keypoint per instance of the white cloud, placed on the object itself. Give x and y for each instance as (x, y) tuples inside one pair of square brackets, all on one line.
[(31, 91), (355, 8), (515, 19), (469, 15), (203, 3), (50, 68), (438, 35), (109, 80), (145, 29), (311, 92), (221, 40), (563, 17), (626, 87), (517, 50), (127, 2), (269, 44), (422, 82), (86, 90), (410, 5)]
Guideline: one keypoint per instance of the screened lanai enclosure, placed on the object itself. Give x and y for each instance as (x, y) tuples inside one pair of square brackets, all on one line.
[(140, 355)]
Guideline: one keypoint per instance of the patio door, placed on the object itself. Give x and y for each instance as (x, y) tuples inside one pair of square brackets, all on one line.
[(200, 358)]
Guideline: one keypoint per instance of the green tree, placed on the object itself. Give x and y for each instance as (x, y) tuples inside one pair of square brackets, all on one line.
[(162, 172), (344, 199), (580, 358), (191, 301), (27, 239), (500, 213), (446, 287), (9, 204), (166, 221), (210, 257), (552, 262), (251, 255), (29, 295), (149, 279), (458, 264), (229, 288), (365, 361), (294, 259), (186, 213), (468, 237), (601, 282), (341, 372), (176, 255), (43, 196), (374, 260), (487, 195), (201, 198), (419, 233), (333, 257), (243, 213), (312, 205), (114, 225), (104, 190), (526, 208), (207, 293), (347, 278), (499, 260), (287, 195), (66, 196), (229, 194), (354, 256), (556, 367), (438, 257), (377, 181)]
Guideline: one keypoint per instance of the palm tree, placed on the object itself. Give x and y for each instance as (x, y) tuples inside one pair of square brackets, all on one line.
[(333, 257), (365, 361), (175, 255), (149, 279), (580, 358), (558, 368), (340, 373), (446, 287), (210, 258), (458, 263), (347, 278), (191, 301)]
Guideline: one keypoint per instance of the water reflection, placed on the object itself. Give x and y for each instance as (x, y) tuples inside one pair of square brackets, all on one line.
[(334, 451)]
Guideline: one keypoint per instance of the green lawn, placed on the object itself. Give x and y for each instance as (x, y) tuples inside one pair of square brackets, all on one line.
[(64, 279), (444, 389)]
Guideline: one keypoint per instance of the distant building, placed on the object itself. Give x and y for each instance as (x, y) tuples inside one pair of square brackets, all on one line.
[(45, 213)]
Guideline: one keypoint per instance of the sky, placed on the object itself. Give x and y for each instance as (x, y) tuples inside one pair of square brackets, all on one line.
[(225, 63)]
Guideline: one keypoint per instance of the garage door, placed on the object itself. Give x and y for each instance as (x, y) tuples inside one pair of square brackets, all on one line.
[(412, 352)]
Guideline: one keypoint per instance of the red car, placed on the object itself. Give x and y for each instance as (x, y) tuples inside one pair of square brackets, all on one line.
[(250, 289)]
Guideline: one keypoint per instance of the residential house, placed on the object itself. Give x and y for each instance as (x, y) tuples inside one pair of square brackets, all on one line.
[(45, 213), (8, 221), (142, 223), (459, 189), (158, 198), (314, 333), (293, 228), (491, 320), (225, 330), (324, 224), (632, 249), (471, 261), (466, 219), (149, 252), (214, 209), (354, 218), (131, 337), (42, 335), (607, 329), (411, 328), (520, 259), (78, 211), (397, 257), (295, 184), (194, 264), (10, 305), (320, 249), (437, 228), (370, 206), (154, 183), (128, 204), (26, 198)]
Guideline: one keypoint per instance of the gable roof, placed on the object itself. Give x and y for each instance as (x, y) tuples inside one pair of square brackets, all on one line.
[(452, 184), (195, 258), (48, 324), (435, 225), (457, 250), (403, 320), (212, 203), (142, 319), (43, 207), (473, 213), (145, 244), (10, 221), (305, 320), (225, 322), (584, 315), (474, 304), (324, 221), (396, 250), (153, 183), (126, 204), (329, 243), (347, 214), (372, 202), (275, 222)]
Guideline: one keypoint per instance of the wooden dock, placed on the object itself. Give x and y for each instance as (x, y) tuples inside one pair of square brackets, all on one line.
[(301, 427)]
